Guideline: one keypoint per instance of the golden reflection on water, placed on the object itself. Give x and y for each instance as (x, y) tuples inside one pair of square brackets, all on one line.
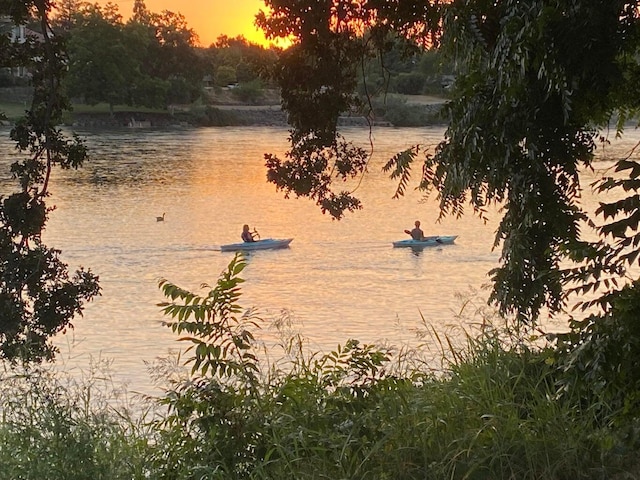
[(338, 280)]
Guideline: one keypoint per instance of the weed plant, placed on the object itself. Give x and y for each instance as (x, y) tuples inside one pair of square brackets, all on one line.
[(56, 427), (396, 110), (495, 409)]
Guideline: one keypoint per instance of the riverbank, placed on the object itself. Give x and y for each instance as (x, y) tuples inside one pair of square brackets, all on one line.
[(392, 110), (404, 115), (201, 117)]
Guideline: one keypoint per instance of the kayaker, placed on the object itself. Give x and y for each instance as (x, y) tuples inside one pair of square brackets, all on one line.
[(416, 233), (247, 236)]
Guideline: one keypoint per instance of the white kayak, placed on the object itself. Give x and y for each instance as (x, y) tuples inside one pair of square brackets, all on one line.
[(267, 243), (427, 242)]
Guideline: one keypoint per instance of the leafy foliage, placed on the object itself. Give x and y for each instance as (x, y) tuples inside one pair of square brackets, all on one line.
[(522, 120), (222, 340), (600, 356), (227, 401), (314, 166), (522, 125), (165, 48), (249, 92), (150, 60), (357, 413), (317, 76), (238, 60), (97, 34), (60, 428), (38, 297), (600, 350), (400, 167), (623, 214)]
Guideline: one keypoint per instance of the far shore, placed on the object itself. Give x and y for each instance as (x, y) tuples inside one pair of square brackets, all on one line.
[(222, 111)]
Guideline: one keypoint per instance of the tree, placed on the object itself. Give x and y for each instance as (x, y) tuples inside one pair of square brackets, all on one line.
[(168, 52), (150, 61), (225, 75), (102, 61), (38, 297), (384, 73), (410, 83), (538, 102), (66, 14), (523, 119), (235, 60)]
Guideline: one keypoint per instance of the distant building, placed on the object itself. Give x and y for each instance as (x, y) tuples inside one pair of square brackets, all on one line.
[(18, 34)]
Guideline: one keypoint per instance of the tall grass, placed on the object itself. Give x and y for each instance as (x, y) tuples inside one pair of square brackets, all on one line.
[(491, 410), (56, 427)]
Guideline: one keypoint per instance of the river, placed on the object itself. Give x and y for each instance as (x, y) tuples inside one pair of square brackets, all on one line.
[(338, 280)]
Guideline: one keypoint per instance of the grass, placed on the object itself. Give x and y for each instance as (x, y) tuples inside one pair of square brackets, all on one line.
[(493, 411), (13, 111), (103, 108), (58, 428), (494, 415)]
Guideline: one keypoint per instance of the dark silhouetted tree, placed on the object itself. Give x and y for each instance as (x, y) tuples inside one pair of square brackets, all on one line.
[(38, 296)]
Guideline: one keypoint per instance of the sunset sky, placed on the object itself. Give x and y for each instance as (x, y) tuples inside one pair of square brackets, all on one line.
[(209, 18)]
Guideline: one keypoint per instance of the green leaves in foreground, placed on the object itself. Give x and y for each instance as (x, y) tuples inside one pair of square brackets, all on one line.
[(358, 413), (215, 324)]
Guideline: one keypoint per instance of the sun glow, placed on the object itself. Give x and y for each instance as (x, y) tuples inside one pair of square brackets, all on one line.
[(210, 19)]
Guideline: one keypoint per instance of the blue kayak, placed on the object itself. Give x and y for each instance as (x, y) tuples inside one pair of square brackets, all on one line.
[(427, 242), (266, 244)]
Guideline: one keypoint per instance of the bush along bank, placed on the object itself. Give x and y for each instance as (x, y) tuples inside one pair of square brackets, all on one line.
[(204, 117), (493, 409)]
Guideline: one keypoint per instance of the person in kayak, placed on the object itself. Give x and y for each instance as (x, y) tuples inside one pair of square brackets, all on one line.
[(416, 233), (247, 236)]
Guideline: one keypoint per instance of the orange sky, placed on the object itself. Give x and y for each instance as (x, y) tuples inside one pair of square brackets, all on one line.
[(209, 18)]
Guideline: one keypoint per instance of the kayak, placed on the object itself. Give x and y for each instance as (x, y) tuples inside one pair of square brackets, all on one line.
[(266, 244), (427, 242)]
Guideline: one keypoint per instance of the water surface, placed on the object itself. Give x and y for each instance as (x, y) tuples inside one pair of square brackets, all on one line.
[(338, 280)]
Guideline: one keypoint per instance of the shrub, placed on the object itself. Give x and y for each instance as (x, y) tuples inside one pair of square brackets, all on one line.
[(495, 412), (409, 83), (395, 110), (215, 117), (249, 92), (58, 428)]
